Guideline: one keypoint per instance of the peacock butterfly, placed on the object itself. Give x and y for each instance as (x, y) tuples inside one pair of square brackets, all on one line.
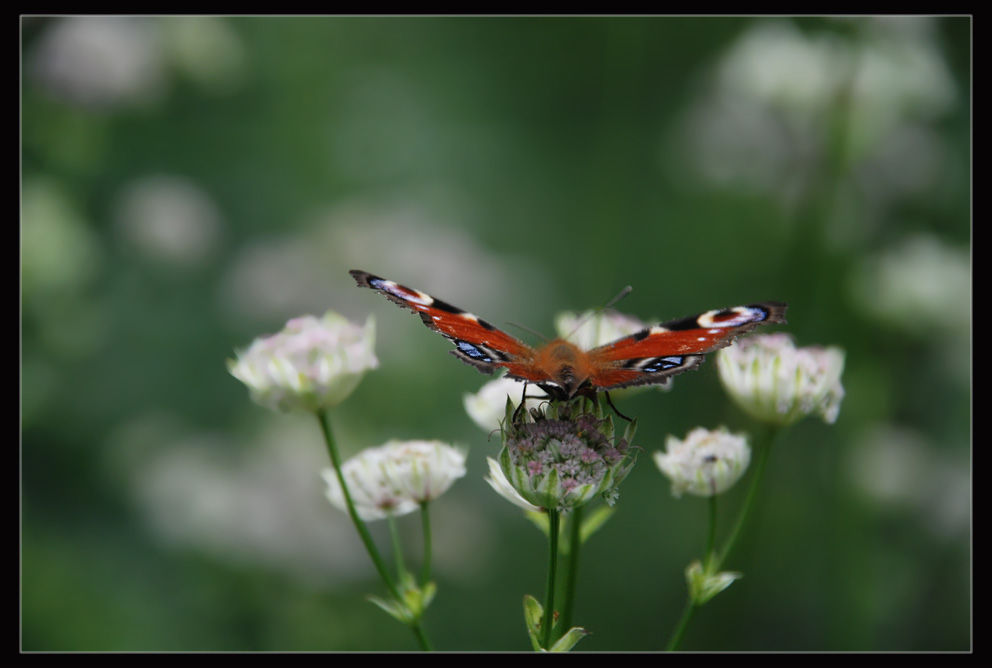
[(562, 369)]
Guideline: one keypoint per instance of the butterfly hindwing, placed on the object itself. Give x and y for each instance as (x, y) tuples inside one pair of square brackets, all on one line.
[(654, 354), (476, 341)]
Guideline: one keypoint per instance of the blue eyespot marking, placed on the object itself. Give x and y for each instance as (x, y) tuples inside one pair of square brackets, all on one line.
[(473, 351), (662, 363)]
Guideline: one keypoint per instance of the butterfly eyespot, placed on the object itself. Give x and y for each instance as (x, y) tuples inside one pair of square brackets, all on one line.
[(473, 351)]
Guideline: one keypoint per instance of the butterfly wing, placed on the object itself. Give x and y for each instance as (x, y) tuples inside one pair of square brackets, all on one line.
[(652, 355), (476, 341)]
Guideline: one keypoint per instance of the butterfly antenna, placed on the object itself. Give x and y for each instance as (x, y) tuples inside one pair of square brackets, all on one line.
[(608, 305), (623, 293), (529, 330)]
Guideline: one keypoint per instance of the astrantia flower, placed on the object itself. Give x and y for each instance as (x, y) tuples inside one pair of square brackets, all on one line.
[(776, 382), (705, 463), (487, 406), (396, 478), (563, 463), (424, 470), (311, 364)]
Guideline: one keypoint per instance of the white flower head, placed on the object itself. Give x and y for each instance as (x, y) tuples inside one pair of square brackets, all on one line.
[(776, 382), (395, 478), (706, 463), (312, 363), (488, 406), (596, 328)]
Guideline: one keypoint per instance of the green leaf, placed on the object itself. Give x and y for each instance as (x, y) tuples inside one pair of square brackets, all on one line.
[(540, 520), (594, 521), (533, 616), (567, 641), (394, 608)]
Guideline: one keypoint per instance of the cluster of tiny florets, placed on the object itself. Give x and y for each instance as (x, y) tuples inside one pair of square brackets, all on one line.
[(577, 450)]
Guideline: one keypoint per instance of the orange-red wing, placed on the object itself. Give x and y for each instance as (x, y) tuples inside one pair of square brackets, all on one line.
[(476, 341), (653, 354)]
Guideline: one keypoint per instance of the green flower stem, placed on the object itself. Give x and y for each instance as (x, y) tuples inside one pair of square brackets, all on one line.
[(709, 565), (752, 493), (425, 524), (394, 535), (709, 556), (554, 526), (572, 572), (679, 634), (363, 532), (713, 560)]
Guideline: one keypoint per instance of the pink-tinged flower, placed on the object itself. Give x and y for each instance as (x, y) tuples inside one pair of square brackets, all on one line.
[(706, 463), (396, 478), (778, 383), (560, 462), (311, 364)]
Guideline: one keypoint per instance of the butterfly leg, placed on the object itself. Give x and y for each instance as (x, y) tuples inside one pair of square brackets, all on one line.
[(523, 401), (615, 410)]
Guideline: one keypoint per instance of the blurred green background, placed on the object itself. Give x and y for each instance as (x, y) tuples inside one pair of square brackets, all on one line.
[(191, 183)]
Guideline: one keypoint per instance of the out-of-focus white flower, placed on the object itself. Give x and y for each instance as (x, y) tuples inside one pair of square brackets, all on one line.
[(770, 105), (706, 463), (497, 480), (396, 478), (920, 284), (100, 61), (424, 469), (558, 462), (169, 219), (487, 406), (590, 329), (311, 364), (780, 384)]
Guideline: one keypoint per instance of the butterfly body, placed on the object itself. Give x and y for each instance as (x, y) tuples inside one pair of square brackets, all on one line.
[(563, 369)]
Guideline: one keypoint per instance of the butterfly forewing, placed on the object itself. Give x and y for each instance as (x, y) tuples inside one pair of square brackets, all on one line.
[(476, 341), (654, 354)]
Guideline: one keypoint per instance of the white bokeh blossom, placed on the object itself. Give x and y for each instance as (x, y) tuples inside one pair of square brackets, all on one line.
[(591, 329), (488, 406), (312, 364)]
